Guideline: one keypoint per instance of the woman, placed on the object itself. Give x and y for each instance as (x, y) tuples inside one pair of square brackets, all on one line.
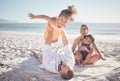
[(91, 58)]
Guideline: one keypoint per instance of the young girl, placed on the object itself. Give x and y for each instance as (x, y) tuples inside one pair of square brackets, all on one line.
[(56, 24)]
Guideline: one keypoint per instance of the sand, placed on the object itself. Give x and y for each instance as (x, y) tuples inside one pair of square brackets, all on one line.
[(17, 63)]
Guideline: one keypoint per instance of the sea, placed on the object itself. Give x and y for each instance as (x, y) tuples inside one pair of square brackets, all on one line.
[(108, 31)]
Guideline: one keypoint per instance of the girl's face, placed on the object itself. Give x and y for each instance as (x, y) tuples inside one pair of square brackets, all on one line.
[(62, 21), (83, 30)]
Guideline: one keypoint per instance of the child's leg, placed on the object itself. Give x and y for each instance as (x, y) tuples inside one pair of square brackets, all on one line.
[(77, 58), (78, 61)]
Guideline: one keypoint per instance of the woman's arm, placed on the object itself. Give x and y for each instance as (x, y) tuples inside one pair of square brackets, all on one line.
[(97, 50), (74, 46), (32, 16), (75, 43)]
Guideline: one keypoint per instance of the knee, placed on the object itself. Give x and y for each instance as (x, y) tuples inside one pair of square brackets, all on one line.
[(97, 56)]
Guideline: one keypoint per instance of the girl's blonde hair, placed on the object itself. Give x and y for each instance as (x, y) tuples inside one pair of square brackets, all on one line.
[(72, 9), (69, 12)]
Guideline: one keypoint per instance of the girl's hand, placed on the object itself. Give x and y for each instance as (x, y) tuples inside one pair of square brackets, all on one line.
[(31, 15)]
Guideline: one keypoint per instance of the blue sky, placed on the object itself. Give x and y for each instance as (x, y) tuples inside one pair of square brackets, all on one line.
[(88, 10)]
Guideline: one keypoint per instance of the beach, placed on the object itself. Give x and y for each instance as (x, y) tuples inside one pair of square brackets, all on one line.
[(17, 62), (24, 22)]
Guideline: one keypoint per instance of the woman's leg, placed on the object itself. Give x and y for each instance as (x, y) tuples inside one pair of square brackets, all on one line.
[(78, 61), (91, 59), (94, 59), (88, 57)]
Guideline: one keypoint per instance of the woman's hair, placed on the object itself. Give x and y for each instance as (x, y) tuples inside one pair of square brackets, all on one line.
[(84, 25), (69, 12)]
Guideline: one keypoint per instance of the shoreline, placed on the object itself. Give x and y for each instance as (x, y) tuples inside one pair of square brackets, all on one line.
[(98, 37)]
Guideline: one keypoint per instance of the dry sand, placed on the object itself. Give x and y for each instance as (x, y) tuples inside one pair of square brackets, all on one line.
[(18, 64)]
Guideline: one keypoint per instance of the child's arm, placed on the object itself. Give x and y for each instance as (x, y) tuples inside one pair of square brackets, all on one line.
[(91, 50), (86, 49), (32, 16)]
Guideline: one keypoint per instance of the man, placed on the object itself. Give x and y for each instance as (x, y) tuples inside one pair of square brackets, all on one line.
[(58, 63)]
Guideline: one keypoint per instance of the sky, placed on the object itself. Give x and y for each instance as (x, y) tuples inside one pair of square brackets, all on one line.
[(95, 11)]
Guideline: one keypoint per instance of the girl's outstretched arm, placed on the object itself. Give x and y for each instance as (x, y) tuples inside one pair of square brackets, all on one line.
[(45, 17)]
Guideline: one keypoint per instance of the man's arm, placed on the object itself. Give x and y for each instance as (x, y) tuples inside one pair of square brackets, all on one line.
[(67, 50), (64, 38), (97, 50)]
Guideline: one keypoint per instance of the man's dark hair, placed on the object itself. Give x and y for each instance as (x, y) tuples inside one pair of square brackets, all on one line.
[(69, 75)]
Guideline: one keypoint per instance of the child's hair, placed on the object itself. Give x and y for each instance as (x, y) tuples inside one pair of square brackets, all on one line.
[(90, 36), (68, 12)]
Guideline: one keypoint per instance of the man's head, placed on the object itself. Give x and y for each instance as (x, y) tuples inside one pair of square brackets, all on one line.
[(66, 71)]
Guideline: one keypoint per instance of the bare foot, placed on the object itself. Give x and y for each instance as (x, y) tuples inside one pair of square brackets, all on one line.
[(35, 54)]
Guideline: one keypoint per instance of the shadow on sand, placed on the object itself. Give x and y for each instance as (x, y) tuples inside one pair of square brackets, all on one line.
[(28, 70)]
